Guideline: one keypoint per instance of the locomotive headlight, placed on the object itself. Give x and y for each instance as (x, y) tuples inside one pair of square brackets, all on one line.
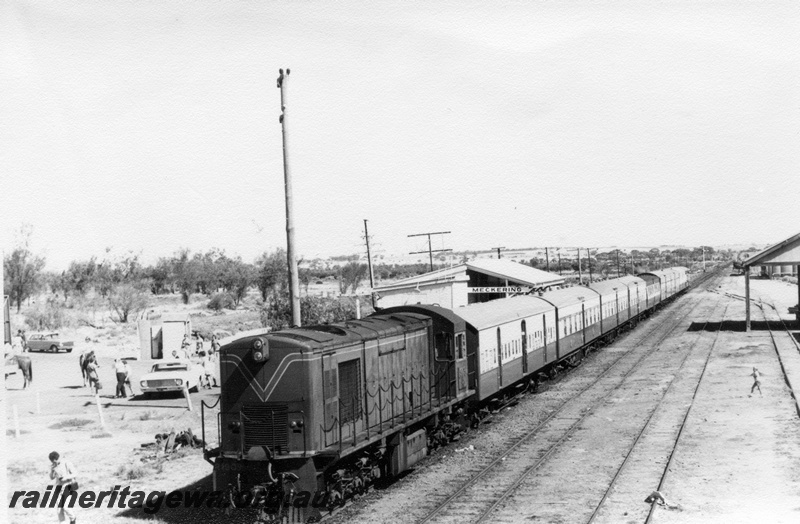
[(260, 350), (235, 426), (296, 424)]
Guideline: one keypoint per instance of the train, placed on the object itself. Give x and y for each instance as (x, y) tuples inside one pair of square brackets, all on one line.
[(336, 407)]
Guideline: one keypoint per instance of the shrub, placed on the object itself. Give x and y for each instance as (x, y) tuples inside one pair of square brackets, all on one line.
[(220, 301), (47, 315)]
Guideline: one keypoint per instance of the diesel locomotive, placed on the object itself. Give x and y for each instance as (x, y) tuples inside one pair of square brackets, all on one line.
[(338, 406)]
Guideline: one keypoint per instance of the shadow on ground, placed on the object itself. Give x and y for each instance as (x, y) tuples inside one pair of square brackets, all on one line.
[(739, 326)]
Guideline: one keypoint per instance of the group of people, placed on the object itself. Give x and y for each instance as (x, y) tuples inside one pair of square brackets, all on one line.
[(90, 369), (208, 359)]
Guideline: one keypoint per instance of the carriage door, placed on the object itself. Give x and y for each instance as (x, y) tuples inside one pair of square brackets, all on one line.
[(444, 374), (524, 349), (499, 360), (462, 370)]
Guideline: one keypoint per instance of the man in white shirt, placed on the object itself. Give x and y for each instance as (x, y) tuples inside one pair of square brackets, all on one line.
[(63, 472)]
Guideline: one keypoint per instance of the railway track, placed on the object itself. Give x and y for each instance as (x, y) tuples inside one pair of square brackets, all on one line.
[(654, 439), (482, 491), (786, 331)]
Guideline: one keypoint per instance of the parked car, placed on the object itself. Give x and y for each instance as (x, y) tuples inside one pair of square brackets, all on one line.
[(171, 376), (48, 342)]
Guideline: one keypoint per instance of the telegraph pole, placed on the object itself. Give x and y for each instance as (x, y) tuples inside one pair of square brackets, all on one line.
[(618, 274), (369, 263), (589, 262), (498, 251), (547, 258), (430, 250), (294, 280), (580, 273), (559, 264)]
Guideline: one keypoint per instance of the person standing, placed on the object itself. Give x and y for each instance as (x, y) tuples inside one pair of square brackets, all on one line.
[(214, 345), (756, 374), (92, 369), (119, 369), (127, 377), (63, 472), (209, 373), (16, 343)]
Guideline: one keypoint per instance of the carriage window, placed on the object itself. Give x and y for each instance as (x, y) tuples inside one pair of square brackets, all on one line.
[(444, 346)]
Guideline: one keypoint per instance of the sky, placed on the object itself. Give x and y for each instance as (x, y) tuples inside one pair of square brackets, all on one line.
[(151, 126)]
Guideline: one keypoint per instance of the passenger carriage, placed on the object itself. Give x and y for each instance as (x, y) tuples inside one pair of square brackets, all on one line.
[(508, 339), (577, 317)]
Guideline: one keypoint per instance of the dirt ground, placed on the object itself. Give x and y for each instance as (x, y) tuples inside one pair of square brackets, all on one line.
[(737, 462)]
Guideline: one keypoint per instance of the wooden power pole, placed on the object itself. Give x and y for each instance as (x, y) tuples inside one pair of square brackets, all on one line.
[(294, 280), (430, 250), (369, 264)]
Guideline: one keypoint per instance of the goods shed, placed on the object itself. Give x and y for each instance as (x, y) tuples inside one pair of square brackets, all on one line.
[(782, 255), (475, 281)]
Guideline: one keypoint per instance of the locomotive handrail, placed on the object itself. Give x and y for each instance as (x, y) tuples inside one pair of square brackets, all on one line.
[(203, 405), (398, 394)]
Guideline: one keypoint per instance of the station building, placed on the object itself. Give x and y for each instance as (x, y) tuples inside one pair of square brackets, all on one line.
[(779, 259), (478, 280)]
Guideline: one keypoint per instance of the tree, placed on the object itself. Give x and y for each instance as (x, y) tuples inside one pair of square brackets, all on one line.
[(276, 312), (159, 276), (235, 276), (127, 298), (23, 269), (351, 275), (272, 273), (184, 274)]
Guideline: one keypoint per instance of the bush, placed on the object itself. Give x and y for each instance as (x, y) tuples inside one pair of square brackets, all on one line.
[(276, 312), (47, 315), (220, 301)]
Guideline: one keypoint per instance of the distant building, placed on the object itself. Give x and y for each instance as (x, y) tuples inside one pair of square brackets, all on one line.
[(478, 280)]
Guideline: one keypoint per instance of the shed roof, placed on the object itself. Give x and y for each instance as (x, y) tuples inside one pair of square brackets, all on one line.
[(500, 268), (524, 274), (484, 315), (782, 253)]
